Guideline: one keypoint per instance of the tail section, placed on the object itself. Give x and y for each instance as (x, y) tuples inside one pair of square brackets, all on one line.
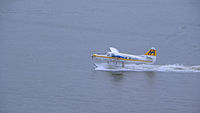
[(151, 52)]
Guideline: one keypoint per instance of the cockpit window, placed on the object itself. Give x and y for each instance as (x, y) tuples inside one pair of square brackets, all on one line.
[(108, 54)]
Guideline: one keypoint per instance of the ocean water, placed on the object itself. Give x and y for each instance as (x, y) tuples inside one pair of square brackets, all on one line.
[(46, 64)]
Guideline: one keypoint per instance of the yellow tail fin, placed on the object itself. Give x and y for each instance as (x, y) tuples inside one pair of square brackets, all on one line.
[(151, 52)]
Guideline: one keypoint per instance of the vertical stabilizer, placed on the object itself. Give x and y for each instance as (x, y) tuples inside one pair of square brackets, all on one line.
[(151, 52)]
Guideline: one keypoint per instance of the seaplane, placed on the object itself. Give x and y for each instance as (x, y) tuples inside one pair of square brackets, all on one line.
[(115, 58)]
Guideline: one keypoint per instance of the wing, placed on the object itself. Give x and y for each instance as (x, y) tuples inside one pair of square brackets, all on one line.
[(112, 49)]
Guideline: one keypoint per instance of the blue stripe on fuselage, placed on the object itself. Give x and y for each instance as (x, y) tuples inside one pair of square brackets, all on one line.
[(118, 56)]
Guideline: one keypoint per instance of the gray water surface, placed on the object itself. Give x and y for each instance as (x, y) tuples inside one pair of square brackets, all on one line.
[(45, 49)]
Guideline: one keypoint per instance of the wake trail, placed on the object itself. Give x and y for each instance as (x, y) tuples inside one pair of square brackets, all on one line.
[(158, 68)]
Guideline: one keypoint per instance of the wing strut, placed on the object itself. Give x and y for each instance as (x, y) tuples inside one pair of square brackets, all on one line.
[(123, 65)]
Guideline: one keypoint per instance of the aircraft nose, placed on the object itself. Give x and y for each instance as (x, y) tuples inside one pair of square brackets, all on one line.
[(94, 55)]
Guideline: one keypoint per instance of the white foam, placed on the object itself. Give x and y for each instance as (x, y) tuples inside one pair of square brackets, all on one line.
[(160, 68)]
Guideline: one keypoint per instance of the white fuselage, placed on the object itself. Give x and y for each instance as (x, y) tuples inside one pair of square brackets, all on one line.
[(114, 57), (138, 59)]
